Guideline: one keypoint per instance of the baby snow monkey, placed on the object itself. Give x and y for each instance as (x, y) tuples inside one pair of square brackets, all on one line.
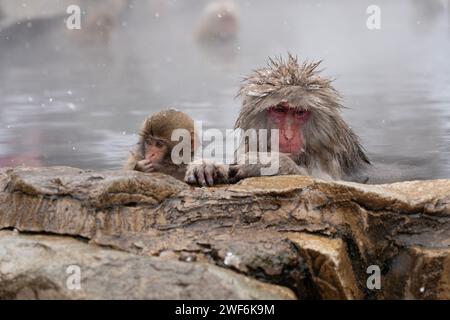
[(157, 152)]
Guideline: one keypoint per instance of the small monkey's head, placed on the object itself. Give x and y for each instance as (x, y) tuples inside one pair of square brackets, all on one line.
[(156, 133)]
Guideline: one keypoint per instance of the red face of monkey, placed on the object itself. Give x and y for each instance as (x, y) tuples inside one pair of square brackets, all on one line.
[(289, 122), (156, 151)]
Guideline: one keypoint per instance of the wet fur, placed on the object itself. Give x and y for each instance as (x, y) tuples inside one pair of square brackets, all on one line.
[(160, 126), (332, 150)]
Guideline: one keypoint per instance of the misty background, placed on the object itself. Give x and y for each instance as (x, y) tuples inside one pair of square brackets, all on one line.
[(78, 97)]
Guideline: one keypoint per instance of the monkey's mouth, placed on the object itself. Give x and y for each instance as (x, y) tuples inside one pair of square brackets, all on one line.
[(291, 149)]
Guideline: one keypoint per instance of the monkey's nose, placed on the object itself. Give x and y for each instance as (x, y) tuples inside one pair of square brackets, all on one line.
[(289, 134)]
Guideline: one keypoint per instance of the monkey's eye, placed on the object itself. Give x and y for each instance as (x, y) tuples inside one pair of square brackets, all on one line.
[(278, 109), (301, 113), (159, 144)]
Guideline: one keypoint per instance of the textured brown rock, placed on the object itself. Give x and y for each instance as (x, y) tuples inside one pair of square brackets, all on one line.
[(73, 201), (420, 273), (329, 264), (317, 238), (37, 267)]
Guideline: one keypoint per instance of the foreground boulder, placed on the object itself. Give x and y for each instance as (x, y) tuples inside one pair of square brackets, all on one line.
[(316, 239), (43, 267)]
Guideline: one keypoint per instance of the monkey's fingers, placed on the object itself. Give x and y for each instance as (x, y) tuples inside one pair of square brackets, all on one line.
[(209, 174), (235, 174), (149, 168), (190, 176), (221, 174), (205, 173), (140, 166), (200, 176), (232, 171)]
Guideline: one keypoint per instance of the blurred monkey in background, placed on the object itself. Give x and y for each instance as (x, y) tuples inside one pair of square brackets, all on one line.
[(219, 22)]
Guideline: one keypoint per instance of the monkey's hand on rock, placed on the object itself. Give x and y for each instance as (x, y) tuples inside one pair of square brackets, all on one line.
[(290, 167), (283, 166), (206, 173), (209, 173), (239, 172)]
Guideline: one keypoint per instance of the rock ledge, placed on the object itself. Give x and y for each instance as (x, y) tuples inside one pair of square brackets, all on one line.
[(149, 236)]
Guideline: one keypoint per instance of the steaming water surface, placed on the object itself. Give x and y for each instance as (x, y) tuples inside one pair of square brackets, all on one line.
[(64, 101)]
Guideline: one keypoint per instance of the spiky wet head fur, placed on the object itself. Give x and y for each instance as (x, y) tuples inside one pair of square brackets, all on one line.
[(328, 141)]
